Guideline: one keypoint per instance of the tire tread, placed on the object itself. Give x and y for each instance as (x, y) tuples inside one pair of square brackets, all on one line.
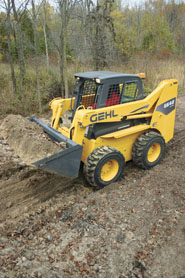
[(139, 147), (92, 161)]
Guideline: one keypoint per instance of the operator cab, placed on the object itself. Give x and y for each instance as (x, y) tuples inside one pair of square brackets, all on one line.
[(99, 89)]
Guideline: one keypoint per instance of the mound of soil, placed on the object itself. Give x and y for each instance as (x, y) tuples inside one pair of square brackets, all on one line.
[(27, 139)]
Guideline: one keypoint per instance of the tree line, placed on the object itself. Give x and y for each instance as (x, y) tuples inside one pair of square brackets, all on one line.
[(100, 34)]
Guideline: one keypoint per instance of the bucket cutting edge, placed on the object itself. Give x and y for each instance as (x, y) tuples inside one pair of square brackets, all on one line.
[(66, 162)]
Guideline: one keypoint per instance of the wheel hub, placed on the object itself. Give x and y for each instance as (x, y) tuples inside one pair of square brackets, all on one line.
[(154, 152), (109, 170)]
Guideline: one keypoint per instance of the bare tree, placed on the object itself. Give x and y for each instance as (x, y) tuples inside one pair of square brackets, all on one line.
[(100, 30), (18, 12), (64, 12), (65, 8), (43, 22), (34, 24), (7, 7)]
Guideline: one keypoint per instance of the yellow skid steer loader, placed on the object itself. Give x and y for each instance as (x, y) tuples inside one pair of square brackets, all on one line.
[(112, 122)]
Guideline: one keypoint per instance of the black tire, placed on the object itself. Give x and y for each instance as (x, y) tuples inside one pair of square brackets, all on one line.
[(104, 156), (148, 144)]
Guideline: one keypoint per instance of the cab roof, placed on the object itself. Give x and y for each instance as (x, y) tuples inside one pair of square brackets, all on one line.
[(104, 75)]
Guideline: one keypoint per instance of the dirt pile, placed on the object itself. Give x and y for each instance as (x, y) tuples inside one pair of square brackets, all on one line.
[(27, 139)]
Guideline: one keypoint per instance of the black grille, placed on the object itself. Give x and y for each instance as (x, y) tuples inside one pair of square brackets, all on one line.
[(130, 92), (113, 95), (89, 93)]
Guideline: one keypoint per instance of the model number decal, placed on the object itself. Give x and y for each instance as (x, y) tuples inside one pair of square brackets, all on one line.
[(169, 103), (102, 116), (167, 106)]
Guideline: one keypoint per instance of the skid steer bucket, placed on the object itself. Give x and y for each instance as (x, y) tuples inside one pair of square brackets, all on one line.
[(66, 162)]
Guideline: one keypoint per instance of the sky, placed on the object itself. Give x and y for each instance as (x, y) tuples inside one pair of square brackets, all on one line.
[(53, 2), (124, 2)]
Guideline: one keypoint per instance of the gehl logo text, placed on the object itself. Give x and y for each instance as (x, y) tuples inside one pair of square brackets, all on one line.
[(102, 116)]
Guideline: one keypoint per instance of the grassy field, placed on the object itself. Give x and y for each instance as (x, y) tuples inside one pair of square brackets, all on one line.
[(156, 70)]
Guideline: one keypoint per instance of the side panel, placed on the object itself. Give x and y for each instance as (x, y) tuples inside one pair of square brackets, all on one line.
[(123, 144), (163, 117)]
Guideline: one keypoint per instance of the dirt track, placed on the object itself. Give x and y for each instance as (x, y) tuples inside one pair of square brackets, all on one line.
[(56, 227)]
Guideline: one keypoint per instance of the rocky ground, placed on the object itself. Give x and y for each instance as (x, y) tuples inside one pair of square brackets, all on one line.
[(57, 227)]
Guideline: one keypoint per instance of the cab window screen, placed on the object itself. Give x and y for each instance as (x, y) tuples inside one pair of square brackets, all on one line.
[(130, 92), (89, 92), (113, 95), (89, 87)]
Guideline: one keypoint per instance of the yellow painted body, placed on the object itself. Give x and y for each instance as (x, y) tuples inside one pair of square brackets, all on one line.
[(122, 140)]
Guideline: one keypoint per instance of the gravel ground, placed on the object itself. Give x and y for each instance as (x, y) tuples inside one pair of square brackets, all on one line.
[(56, 227)]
